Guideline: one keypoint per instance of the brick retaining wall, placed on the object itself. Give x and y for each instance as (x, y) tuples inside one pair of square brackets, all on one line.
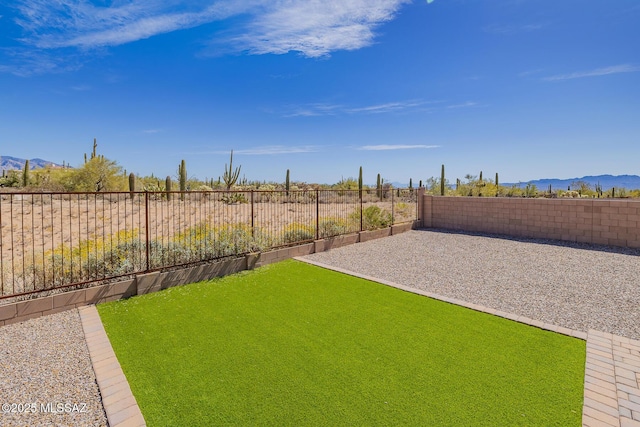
[(598, 221)]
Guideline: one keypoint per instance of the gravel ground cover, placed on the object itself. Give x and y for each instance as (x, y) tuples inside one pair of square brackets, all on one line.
[(578, 286), (46, 374)]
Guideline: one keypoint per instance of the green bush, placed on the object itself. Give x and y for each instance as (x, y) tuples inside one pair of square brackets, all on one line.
[(125, 253), (297, 232), (233, 198), (329, 227), (373, 217)]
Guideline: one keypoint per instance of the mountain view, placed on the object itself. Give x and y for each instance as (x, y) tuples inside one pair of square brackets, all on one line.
[(12, 163), (605, 181)]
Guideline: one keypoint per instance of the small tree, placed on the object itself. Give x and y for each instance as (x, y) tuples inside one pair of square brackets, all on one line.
[(582, 187), (98, 174)]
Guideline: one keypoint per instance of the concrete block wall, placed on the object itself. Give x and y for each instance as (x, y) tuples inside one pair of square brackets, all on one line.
[(155, 281), (598, 221)]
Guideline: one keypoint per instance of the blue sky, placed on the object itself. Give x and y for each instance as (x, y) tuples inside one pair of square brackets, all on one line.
[(527, 88)]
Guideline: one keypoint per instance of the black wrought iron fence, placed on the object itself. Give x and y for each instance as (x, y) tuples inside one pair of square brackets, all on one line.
[(58, 240)]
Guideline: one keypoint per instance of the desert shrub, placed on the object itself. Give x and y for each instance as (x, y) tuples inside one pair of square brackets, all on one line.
[(232, 198), (570, 194), (297, 232), (203, 242), (89, 260), (404, 209), (12, 179), (329, 227), (125, 253), (239, 239), (373, 217)]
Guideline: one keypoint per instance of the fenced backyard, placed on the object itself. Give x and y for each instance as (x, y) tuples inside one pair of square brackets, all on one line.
[(59, 240)]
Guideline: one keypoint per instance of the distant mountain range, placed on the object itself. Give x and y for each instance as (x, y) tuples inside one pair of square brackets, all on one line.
[(12, 163), (630, 182)]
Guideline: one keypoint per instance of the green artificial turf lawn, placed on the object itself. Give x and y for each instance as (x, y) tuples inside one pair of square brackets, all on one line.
[(292, 344)]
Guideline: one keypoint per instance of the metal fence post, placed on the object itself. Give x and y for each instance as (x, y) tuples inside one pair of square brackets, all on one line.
[(146, 227), (392, 212), (360, 210), (252, 224), (317, 214)]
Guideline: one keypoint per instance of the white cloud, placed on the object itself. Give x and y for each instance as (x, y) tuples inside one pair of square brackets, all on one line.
[(321, 109), (312, 27), (25, 63), (530, 72), (73, 23), (314, 110), (276, 149), (463, 105), (616, 69), (514, 29), (386, 108), (395, 147)]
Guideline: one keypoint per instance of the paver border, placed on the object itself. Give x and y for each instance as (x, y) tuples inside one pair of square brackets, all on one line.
[(118, 401), (612, 365)]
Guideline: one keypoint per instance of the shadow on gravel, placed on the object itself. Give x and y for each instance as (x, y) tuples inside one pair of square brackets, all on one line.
[(562, 243)]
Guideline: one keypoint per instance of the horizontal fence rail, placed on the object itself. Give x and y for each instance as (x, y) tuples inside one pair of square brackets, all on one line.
[(59, 240)]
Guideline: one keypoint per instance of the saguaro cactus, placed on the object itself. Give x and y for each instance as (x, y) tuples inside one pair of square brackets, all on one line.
[(132, 184), (182, 173), (410, 184), (25, 174), (442, 181), (360, 182), (95, 146), (379, 187), (230, 176), (497, 185), (167, 187), (287, 183)]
